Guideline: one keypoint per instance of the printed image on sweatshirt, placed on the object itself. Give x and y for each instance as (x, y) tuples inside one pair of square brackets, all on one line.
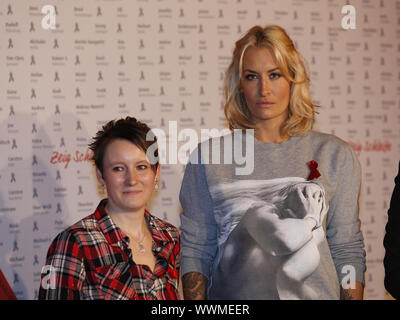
[(269, 232)]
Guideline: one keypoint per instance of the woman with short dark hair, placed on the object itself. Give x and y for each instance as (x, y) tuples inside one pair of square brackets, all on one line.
[(121, 251)]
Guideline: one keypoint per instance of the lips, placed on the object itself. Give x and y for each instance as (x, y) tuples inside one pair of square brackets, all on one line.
[(264, 103), (132, 192)]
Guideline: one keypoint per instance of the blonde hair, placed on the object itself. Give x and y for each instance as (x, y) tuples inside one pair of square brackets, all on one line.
[(301, 109)]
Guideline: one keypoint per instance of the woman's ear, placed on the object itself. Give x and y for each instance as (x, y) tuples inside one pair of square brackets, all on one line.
[(100, 177)]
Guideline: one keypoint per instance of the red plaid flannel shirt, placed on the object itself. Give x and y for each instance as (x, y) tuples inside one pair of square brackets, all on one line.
[(91, 260)]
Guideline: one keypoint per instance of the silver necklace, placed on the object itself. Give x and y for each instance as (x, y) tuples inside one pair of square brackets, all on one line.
[(142, 249)]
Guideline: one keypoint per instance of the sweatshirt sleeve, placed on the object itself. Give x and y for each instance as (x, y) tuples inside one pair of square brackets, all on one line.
[(199, 229), (391, 243), (343, 231)]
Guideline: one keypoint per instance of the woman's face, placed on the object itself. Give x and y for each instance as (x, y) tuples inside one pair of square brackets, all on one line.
[(128, 177), (266, 91)]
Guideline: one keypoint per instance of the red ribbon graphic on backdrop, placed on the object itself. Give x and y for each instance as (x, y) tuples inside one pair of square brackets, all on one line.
[(314, 173)]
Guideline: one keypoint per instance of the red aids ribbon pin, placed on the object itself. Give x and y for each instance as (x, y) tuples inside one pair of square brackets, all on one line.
[(314, 173)]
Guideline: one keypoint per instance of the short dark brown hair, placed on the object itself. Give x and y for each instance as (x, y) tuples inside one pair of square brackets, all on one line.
[(128, 129)]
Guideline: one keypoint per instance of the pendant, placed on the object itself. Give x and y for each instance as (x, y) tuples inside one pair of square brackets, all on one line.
[(141, 248)]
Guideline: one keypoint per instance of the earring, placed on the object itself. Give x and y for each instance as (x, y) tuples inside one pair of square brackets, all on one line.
[(103, 189), (156, 184)]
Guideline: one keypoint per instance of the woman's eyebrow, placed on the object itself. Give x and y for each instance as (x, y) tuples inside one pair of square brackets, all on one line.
[(143, 161), (274, 69), (251, 71), (269, 71), (122, 162)]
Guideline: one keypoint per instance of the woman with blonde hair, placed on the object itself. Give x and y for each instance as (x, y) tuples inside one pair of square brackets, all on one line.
[(225, 250), (288, 60)]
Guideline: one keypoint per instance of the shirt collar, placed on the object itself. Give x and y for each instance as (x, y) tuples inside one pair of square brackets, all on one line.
[(110, 230), (162, 240)]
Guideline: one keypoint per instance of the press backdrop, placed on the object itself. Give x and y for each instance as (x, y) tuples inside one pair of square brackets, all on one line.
[(162, 61)]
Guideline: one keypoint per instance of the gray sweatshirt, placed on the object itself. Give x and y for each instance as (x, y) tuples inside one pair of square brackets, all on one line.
[(266, 232)]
